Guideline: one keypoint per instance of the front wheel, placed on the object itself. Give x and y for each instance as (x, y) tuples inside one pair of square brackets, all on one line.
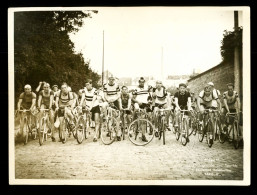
[(41, 132), (184, 136), (63, 131), (140, 132), (200, 133), (80, 130), (109, 131), (209, 136), (235, 135), (177, 133), (25, 133)]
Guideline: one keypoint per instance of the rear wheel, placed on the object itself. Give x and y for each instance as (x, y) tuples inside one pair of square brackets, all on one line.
[(184, 136), (140, 132), (200, 133), (109, 131), (80, 130), (209, 136), (235, 135)]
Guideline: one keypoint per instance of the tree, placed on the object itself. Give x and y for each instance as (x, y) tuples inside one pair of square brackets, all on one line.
[(228, 43), (43, 50)]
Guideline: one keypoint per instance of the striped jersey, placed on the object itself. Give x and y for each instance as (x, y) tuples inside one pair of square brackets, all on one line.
[(161, 95), (112, 91), (142, 94), (89, 97)]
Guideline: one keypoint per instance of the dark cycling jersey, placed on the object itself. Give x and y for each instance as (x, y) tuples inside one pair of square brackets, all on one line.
[(27, 99), (182, 99), (46, 97)]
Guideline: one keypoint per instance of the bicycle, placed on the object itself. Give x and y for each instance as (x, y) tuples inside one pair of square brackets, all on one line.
[(162, 123), (193, 123), (182, 128), (206, 128), (234, 129), (109, 127), (140, 127), (124, 122), (44, 126), (65, 128), (81, 124), (26, 115)]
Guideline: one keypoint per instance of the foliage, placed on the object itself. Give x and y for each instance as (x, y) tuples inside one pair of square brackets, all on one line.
[(230, 40), (43, 50)]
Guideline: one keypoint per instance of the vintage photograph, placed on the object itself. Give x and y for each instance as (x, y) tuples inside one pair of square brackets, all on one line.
[(129, 95)]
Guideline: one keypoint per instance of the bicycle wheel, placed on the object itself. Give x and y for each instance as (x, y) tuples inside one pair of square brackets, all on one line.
[(177, 133), (63, 131), (109, 131), (140, 132), (221, 134), (80, 130), (201, 133), (209, 136), (163, 131), (184, 136), (190, 126), (41, 132), (235, 135), (25, 132)]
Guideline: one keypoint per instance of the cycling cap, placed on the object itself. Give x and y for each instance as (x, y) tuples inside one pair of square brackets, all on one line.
[(211, 84), (55, 86), (159, 81), (141, 79), (182, 84), (111, 77), (230, 84), (27, 87), (46, 85)]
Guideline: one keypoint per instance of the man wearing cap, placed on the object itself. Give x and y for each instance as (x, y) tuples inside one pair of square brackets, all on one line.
[(89, 99), (27, 100), (182, 102), (45, 101), (140, 98), (216, 93)]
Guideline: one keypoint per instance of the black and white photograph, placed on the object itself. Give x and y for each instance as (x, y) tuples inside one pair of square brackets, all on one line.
[(129, 95)]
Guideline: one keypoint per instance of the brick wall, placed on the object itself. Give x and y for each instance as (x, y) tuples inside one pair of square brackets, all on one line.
[(220, 75)]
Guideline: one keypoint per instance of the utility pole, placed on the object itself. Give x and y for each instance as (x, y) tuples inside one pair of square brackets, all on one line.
[(103, 62), (237, 67)]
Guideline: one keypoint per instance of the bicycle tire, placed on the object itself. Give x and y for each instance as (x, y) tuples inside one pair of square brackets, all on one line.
[(80, 130), (25, 132), (185, 137), (209, 131), (235, 135), (201, 132), (163, 131), (221, 135), (135, 135), (41, 132), (109, 131), (190, 125), (63, 130), (177, 134)]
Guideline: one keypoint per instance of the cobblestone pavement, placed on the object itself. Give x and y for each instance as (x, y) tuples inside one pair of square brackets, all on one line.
[(123, 160)]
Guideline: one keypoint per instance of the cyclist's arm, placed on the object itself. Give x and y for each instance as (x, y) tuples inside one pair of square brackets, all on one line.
[(218, 100), (19, 104), (33, 103), (51, 101), (238, 104), (82, 99), (129, 102), (39, 86), (39, 100), (189, 103), (105, 97), (198, 102), (226, 105), (134, 98), (92, 102), (176, 102), (56, 102)]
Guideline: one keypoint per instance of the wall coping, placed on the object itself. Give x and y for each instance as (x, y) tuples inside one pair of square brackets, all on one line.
[(209, 70)]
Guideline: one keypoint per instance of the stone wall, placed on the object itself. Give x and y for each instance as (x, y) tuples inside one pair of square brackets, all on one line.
[(220, 75)]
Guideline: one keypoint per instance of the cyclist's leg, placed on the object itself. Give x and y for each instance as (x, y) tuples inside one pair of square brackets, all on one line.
[(22, 123), (155, 110), (96, 117), (177, 114)]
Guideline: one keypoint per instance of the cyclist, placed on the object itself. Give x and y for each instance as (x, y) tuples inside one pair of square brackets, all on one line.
[(160, 96), (45, 101), (90, 100), (182, 102), (214, 102), (126, 98), (65, 99), (231, 104), (140, 99), (27, 100), (205, 101)]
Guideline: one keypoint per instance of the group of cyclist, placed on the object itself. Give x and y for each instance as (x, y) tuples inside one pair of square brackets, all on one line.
[(150, 98)]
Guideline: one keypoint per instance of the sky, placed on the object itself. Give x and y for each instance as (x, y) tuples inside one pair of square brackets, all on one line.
[(140, 41)]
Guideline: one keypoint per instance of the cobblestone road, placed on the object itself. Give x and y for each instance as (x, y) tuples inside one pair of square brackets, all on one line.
[(123, 160)]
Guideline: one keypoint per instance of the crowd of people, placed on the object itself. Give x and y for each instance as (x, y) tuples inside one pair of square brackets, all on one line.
[(143, 96)]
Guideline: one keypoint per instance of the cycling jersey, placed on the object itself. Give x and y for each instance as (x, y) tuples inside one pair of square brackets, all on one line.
[(124, 100), (46, 97), (142, 94), (89, 97), (27, 99), (161, 95), (213, 96), (65, 99), (215, 103), (231, 100), (182, 99), (112, 91)]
